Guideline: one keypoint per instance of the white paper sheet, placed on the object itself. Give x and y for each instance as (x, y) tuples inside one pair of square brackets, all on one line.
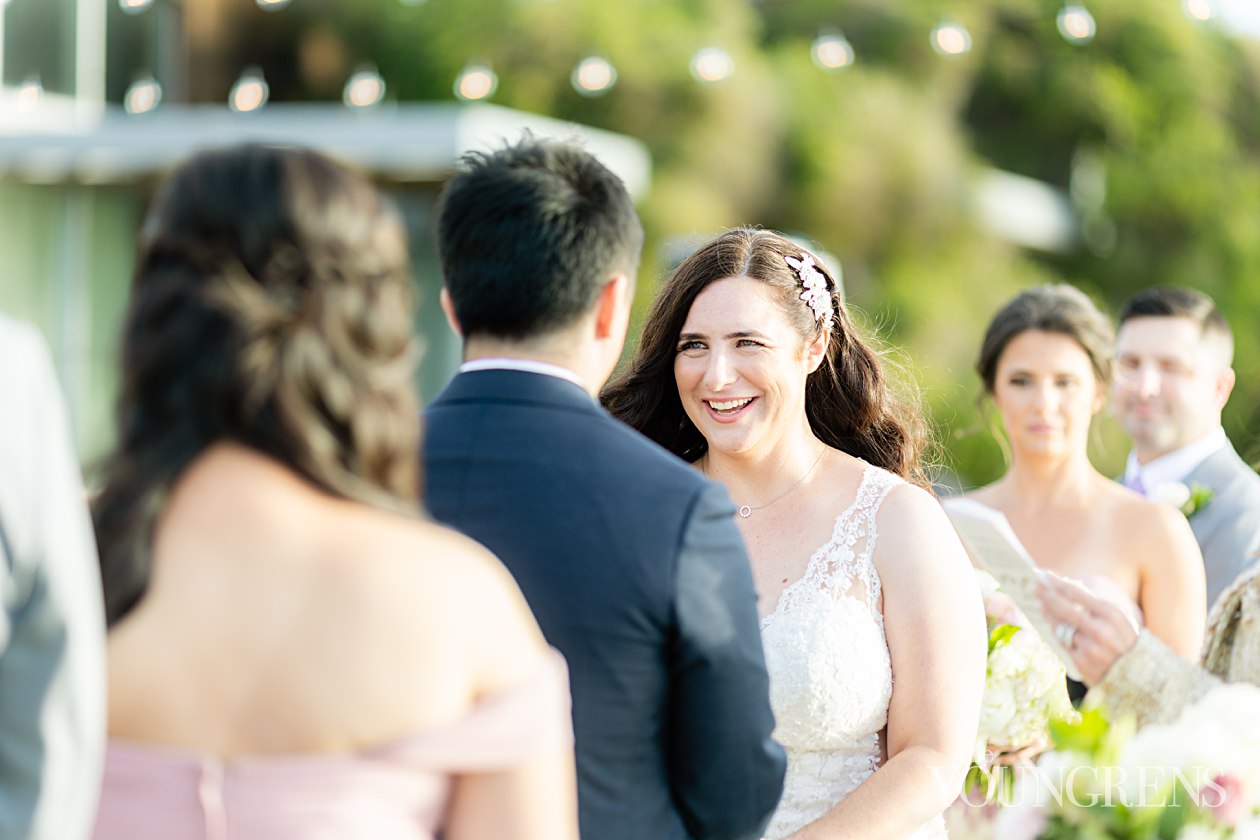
[(992, 543)]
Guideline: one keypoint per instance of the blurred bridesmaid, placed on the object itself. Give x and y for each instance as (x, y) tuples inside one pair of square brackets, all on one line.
[(294, 651), (1046, 363)]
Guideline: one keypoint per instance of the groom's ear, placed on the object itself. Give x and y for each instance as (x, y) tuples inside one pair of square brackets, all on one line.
[(448, 309), (612, 307), (1223, 387)]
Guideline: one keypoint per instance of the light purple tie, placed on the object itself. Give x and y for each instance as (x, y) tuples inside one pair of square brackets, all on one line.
[(1134, 483)]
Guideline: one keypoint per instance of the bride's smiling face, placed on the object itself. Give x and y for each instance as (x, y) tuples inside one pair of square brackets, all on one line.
[(1046, 392), (741, 367)]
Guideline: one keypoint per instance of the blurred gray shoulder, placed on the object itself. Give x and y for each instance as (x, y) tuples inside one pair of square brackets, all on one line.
[(1235, 485)]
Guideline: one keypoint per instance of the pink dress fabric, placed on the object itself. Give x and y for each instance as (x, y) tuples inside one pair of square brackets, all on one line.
[(398, 791)]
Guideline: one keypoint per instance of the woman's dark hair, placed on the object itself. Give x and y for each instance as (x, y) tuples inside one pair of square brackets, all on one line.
[(847, 400), (1053, 308), (271, 307)]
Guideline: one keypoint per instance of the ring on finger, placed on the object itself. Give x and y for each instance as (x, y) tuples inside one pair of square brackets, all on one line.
[(1066, 633)]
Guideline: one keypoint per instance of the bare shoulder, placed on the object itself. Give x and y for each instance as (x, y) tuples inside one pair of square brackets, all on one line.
[(1155, 534), (433, 575), (926, 575), (415, 551), (911, 505), (915, 535), (1142, 518)]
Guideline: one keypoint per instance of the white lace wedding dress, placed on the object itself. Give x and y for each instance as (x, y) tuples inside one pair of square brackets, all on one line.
[(830, 676)]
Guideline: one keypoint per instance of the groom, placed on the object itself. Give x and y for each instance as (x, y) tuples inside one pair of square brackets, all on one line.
[(629, 559), (1174, 352)]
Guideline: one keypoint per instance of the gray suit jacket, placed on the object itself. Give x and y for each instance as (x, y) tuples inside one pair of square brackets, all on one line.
[(52, 625), (1228, 526)]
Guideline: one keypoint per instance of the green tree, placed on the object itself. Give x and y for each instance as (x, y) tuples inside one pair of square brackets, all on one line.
[(1153, 128)]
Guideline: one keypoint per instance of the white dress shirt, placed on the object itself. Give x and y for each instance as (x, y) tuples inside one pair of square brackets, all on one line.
[(1176, 465), (527, 365)]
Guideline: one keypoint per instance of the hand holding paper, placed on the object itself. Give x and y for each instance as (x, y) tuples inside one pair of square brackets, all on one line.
[(993, 544)]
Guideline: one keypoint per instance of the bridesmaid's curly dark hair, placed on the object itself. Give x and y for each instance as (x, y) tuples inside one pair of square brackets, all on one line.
[(847, 399), (271, 307)]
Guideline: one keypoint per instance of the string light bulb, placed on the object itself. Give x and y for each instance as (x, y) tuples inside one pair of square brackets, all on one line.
[(143, 95), (711, 65), (1076, 24), (250, 91), (1199, 10), (134, 7), (950, 39), (30, 93), (476, 81), (831, 51), (593, 76), (364, 89)]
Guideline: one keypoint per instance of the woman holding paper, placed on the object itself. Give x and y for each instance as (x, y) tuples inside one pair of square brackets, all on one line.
[(1045, 362)]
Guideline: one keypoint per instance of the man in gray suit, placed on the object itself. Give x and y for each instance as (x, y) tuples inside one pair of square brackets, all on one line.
[(1174, 352), (52, 626)]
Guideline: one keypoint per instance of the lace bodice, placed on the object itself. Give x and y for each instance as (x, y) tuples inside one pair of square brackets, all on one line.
[(830, 673)]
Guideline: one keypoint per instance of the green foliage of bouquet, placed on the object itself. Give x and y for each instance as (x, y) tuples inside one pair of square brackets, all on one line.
[(1197, 778)]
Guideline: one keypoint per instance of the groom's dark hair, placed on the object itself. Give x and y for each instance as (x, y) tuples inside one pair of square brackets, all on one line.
[(1180, 302), (529, 234)]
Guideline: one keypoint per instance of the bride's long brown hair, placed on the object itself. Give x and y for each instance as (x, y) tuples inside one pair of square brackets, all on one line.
[(847, 399)]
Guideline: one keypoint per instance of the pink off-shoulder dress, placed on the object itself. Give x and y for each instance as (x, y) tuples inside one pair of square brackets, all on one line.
[(398, 791)]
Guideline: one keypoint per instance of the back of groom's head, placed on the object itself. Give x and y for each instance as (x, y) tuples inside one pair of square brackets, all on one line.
[(528, 236)]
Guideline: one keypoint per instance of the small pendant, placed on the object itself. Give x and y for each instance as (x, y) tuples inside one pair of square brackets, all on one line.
[(745, 511)]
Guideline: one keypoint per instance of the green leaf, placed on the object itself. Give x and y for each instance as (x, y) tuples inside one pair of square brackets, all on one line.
[(1086, 734), (1002, 634)]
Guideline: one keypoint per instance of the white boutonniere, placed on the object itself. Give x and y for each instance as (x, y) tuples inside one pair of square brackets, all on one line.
[(1187, 499)]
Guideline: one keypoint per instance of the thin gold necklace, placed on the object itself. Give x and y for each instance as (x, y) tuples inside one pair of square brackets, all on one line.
[(745, 511)]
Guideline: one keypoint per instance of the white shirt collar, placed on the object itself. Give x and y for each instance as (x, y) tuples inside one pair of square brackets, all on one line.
[(1176, 465), (526, 365)]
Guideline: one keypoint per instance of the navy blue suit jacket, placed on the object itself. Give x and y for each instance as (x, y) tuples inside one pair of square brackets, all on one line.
[(632, 564)]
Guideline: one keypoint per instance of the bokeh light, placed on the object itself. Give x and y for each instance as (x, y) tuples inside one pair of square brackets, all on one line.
[(711, 65), (476, 81), (30, 93), (831, 51), (951, 39), (134, 7), (143, 95), (1076, 24), (594, 76), (364, 89), (1200, 10), (250, 91)]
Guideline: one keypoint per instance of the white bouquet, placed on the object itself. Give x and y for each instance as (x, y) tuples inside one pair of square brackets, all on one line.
[(1025, 687)]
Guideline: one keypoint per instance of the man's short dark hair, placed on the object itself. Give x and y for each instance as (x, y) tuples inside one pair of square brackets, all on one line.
[(529, 234), (1180, 302)]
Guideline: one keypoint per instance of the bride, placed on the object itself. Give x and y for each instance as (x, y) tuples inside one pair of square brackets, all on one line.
[(750, 368)]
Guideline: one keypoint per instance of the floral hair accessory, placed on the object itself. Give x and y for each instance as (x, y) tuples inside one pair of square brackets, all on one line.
[(815, 292)]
